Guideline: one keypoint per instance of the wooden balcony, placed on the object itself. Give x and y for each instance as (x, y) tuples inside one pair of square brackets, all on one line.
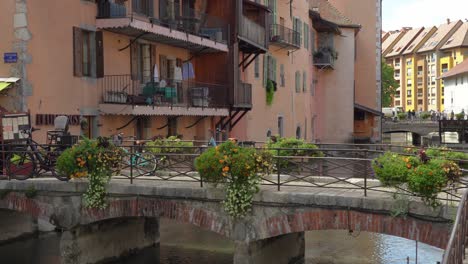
[(324, 60), (243, 96), (252, 36)]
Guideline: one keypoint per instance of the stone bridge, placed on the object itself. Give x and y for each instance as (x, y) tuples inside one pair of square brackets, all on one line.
[(277, 222), (421, 128)]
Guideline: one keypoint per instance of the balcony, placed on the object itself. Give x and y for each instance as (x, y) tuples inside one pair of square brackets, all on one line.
[(252, 36), (284, 37), (243, 96), (168, 97), (174, 25), (325, 58)]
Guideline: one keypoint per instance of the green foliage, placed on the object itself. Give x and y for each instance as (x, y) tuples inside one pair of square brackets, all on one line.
[(389, 84), (293, 147), (428, 180), (96, 160), (423, 179), (270, 92), (170, 145), (392, 169), (236, 168), (446, 153), (402, 116), (31, 192), (425, 115), (460, 116)]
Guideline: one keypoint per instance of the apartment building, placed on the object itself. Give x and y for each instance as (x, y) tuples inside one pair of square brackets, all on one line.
[(187, 67), (421, 62)]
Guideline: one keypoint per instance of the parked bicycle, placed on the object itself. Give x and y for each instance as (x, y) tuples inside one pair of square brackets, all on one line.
[(30, 159), (136, 157)]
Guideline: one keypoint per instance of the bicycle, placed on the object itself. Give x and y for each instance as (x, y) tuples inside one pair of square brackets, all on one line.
[(145, 162), (31, 159)]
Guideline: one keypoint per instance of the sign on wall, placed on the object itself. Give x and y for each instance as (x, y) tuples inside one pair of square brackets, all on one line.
[(13, 124), (10, 57)]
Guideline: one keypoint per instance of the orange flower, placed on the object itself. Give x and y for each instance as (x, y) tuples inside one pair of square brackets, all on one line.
[(226, 169), (221, 161), (408, 165)]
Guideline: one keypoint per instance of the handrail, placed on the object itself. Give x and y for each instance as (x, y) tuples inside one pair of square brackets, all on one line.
[(282, 34), (455, 250)]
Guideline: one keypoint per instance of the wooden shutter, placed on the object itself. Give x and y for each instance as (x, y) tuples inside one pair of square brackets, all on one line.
[(163, 67), (134, 65), (298, 81), (304, 81), (77, 52), (273, 69), (265, 70), (99, 55)]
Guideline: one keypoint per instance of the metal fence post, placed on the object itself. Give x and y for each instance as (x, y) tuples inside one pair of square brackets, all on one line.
[(278, 169), (131, 164), (201, 177), (365, 172)]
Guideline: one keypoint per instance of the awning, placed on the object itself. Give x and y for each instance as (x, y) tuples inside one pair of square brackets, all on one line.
[(368, 110), (4, 85), (5, 82)]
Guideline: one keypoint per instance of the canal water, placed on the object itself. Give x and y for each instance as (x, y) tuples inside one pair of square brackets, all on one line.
[(184, 244)]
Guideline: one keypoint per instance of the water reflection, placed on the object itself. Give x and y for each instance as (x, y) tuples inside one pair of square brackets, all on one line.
[(184, 244)]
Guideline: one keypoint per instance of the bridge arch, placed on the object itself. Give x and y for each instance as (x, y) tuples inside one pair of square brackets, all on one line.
[(428, 232)]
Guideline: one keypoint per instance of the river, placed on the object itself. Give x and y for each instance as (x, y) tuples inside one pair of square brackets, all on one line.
[(184, 244)]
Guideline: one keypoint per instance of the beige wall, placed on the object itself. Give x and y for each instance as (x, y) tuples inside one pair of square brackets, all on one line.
[(295, 108), (334, 94), (364, 12)]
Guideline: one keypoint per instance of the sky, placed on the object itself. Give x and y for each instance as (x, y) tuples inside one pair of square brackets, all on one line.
[(419, 13)]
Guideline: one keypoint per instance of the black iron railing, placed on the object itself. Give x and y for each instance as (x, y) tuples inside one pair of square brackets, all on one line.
[(170, 14), (284, 36), (123, 89), (324, 59)]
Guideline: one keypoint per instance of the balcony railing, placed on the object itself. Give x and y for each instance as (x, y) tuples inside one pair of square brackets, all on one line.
[(324, 60), (173, 15), (123, 89), (243, 95), (252, 32), (283, 36)]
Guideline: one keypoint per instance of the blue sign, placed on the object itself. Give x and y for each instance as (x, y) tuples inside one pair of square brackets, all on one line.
[(10, 57)]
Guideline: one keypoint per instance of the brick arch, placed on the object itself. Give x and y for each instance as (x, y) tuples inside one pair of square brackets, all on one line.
[(434, 234)]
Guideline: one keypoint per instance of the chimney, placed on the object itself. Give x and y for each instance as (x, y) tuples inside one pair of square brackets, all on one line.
[(448, 20)]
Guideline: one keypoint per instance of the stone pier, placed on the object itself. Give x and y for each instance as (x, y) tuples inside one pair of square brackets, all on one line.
[(108, 240), (16, 225), (288, 248)]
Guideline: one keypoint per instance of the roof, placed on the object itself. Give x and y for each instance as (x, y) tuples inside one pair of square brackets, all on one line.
[(419, 40), (457, 70), (404, 42), (442, 32), (458, 39), (391, 39), (328, 12), (367, 109)]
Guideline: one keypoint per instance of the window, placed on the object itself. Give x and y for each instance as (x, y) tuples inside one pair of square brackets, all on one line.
[(397, 103), (420, 81), (420, 101), (88, 55), (397, 74), (257, 67), (269, 69), (297, 26), (304, 81), (282, 80), (443, 100), (432, 69), (409, 102), (409, 72), (433, 80), (145, 7), (409, 62), (409, 83), (280, 126), (172, 126), (268, 134), (397, 94), (298, 132), (313, 85), (444, 67), (306, 35), (443, 91), (420, 70), (409, 92), (141, 61), (397, 62), (298, 81)]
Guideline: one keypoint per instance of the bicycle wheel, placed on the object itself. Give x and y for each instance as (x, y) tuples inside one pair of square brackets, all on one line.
[(146, 163), (20, 165)]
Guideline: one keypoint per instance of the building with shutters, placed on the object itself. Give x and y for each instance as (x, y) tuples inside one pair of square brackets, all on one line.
[(187, 67)]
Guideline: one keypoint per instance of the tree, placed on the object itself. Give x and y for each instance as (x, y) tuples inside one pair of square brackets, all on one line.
[(389, 84)]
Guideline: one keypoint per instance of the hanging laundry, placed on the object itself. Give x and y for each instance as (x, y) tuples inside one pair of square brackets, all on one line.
[(156, 73)]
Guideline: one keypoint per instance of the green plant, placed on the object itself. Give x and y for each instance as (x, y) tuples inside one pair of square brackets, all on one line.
[(401, 205), (460, 116), (427, 180), (31, 192), (270, 92), (392, 169), (402, 116), (425, 115), (171, 144), (293, 147), (236, 168), (95, 159)]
